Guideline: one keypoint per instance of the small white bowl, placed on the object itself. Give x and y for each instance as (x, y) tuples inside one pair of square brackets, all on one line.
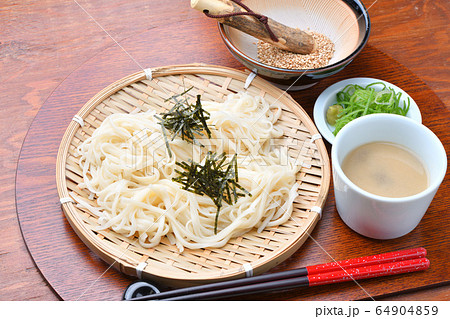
[(328, 98), (377, 216)]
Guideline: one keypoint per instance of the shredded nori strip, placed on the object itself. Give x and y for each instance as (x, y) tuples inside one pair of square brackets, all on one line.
[(215, 178), (184, 119)]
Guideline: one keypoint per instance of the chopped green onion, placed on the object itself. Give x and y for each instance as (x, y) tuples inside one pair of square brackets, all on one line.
[(357, 101)]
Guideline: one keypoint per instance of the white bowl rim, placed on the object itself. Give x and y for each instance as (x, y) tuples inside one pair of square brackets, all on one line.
[(321, 105)]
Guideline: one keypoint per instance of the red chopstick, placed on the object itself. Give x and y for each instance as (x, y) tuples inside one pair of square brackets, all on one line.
[(358, 268), (372, 271), (369, 260)]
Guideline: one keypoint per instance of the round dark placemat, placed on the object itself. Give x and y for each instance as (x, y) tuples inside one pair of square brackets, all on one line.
[(75, 273)]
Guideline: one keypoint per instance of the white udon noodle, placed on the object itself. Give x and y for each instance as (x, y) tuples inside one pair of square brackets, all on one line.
[(126, 166)]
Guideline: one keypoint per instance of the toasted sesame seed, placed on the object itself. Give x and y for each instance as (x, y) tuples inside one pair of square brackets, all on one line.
[(271, 55)]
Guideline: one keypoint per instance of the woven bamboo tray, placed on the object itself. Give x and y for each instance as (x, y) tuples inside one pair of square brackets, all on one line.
[(253, 253)]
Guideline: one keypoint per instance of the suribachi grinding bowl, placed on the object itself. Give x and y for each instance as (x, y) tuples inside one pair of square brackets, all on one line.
[(345, 22)]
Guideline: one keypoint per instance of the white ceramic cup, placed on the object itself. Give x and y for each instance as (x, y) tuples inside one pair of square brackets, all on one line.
[(377, 216)]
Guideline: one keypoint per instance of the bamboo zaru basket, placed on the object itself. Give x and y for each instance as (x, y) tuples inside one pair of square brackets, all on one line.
[(250, 254)]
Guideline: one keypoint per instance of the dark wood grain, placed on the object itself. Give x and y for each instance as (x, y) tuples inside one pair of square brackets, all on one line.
[(44, 42)]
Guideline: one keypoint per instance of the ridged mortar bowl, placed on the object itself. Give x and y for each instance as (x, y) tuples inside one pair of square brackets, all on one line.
[(345, 22)]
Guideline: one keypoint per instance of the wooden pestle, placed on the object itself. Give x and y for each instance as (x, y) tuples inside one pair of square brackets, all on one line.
[(289, 39)]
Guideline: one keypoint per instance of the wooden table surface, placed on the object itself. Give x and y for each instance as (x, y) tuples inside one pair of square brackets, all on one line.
[(44, 42)]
